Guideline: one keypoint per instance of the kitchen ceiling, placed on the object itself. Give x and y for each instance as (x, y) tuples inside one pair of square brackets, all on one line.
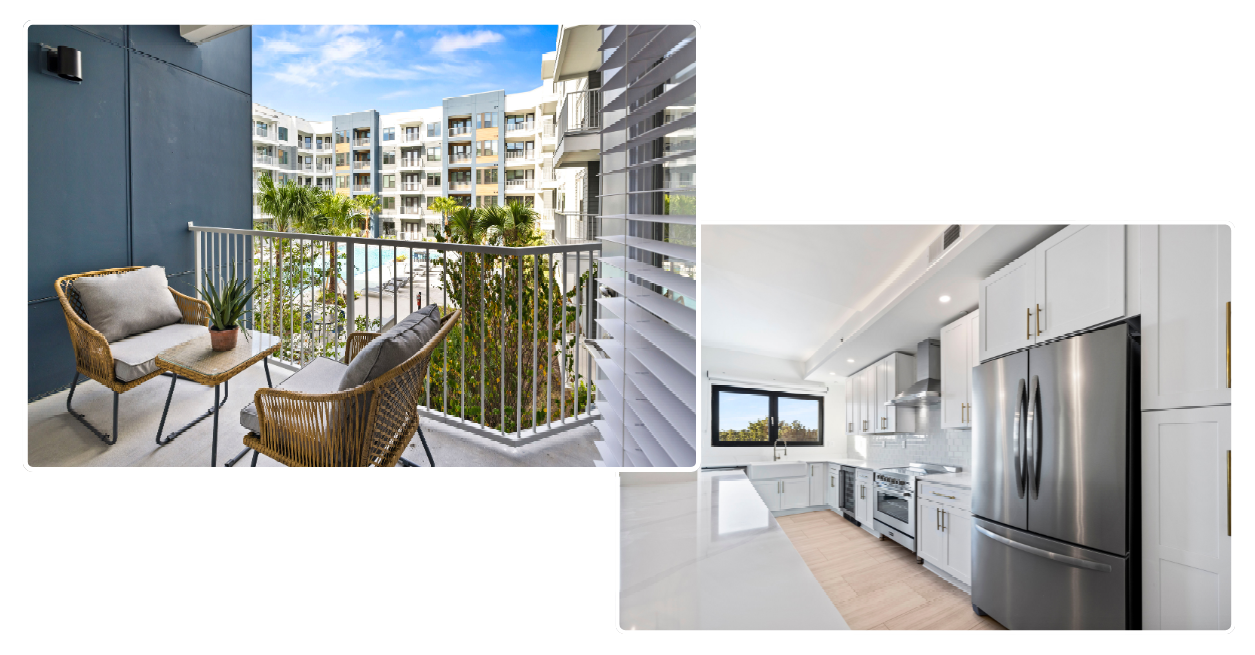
[(783, 290)]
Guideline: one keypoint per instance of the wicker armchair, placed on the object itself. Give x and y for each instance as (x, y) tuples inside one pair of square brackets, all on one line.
[(369, 425), (92, 354)]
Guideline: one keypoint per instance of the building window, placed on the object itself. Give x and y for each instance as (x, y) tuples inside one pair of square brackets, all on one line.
[(487, 148), (526, 201), (756, 417), (486, 201), (488, 119), (283, 134), (433, 154), (388, 202), (487, 175), (342, 159), (389, 156), (342, 181), (389, 181), (389, 134), (283, 156), (433, 129), (433, 179)]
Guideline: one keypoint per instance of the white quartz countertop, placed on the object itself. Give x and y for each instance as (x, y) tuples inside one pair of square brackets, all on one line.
[(963, 479), (706, 553)]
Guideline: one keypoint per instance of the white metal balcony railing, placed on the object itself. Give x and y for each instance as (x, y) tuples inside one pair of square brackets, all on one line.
[(574, 228), (544, 219), (361, 188), (306, 167), (326, 168), (459, 186), (411, 162), (413, 186), (459, 131), (411, 210), (322, 146), (267, 160), (509, 397), (580, 112), (459, 159), (365, 141), (520, 155), (519, 185), (261, 132), (520, 127), (548, 131)]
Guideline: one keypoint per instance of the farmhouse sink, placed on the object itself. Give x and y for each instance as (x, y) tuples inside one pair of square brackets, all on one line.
[(776, 470)]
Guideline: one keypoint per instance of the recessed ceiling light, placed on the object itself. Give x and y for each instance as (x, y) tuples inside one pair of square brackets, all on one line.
[(850, 361), (944, 299), (831, 373)]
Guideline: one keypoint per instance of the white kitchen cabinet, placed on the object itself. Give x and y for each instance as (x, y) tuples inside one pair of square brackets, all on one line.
[(770, 492), (944, 534), (851, 413), (867, 384), (958, 529), (959, 355), (1185, 296), (834, 487), (1071, 281), (864, 499), (795, 493), (1006, 299), (930, 540), (818, 483), (1079, 279), (1187, 557)]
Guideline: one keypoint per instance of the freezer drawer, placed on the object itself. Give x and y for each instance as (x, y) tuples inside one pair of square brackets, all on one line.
[(1027, 582)]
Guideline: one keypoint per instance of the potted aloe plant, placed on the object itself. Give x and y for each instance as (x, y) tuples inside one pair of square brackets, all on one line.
[(226, 306)]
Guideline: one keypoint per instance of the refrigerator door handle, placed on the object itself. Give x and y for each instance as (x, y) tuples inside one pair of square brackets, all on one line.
[(1017, 450), (1036, 437), (1033, 550), (1034, 442)]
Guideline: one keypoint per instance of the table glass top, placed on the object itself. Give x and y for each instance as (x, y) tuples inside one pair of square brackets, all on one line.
[(197, 355)]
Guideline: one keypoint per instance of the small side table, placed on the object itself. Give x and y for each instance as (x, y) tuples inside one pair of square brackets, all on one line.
[(195, 360)]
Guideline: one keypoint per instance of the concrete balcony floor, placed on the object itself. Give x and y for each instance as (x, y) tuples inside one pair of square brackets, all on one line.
[(54, 438)]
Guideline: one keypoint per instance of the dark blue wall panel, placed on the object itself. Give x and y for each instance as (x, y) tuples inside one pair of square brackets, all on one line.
[(155, 136)]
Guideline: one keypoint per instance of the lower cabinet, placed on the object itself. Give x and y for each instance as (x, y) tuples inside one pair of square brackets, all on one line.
[(833, 490), (790, 493), (770, 491), (795, 493), (1187, 556), (864, 498), (944, 539), (818, 484)]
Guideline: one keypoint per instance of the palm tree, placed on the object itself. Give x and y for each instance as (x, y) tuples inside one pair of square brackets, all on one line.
[(466, 225), (340, 216), (366, 205), (513, 225), (444, 205)]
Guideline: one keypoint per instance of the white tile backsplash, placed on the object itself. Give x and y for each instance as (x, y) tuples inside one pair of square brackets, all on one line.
[(932, 445)]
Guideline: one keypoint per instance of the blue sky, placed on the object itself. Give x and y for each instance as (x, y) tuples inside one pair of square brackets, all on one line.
[(315, 71)]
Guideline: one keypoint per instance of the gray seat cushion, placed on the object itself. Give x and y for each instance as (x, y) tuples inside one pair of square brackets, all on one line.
[(123, 304), (319, 376), (393, 347), (133, 356)]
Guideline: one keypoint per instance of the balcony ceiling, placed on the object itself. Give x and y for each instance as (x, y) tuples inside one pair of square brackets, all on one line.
[(577, 52), (782, 291)]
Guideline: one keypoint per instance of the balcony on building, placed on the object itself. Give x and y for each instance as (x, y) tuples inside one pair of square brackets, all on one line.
[(579, 128), (520, 127), (459, 158), (362, 139)]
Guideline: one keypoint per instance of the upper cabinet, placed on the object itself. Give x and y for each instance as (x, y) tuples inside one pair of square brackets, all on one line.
[(1069, 282), (867, 391), (960, 343), (1185, 296)]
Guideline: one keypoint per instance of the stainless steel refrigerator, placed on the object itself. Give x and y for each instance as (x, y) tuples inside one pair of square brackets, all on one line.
[(1054, 466)]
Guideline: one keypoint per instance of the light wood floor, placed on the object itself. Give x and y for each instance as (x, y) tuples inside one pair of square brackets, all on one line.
[(876, 585)]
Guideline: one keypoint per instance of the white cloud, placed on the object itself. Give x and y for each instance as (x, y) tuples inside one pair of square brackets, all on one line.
[(454, 42), (398, 35), (280, 46)]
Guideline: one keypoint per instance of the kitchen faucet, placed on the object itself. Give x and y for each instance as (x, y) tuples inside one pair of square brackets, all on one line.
[(774, 456)]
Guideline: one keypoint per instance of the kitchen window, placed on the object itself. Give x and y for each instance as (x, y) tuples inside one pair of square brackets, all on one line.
[(757, 417)]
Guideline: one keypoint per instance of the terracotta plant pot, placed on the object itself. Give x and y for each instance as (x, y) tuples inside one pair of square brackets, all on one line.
[(223, 340)]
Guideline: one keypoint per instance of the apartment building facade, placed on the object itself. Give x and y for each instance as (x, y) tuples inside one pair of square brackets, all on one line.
[(627, 128), (481, 149)]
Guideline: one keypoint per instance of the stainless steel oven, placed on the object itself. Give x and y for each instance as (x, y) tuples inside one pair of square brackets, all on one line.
[(894, 511)]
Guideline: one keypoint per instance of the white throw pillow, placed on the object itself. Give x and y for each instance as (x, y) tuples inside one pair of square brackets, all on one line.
[(123, 304)]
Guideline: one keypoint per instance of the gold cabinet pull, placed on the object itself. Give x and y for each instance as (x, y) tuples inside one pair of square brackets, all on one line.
[(1229, 487), (943, 496), (1039, 320), (1228, 353), (938, 518), (1028, 323), (943, 520)]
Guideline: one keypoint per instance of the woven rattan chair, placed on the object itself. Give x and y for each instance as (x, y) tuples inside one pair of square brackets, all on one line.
[(92, 354), (369, 425)]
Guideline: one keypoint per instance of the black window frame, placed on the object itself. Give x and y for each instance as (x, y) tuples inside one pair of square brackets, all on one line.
[(773, 412)]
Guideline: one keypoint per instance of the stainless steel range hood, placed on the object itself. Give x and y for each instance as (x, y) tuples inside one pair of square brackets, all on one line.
[(927, 388)]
